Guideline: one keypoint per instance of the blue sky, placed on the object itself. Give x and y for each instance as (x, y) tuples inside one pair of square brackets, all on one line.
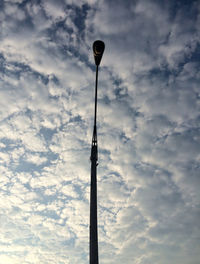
[(148, 130)]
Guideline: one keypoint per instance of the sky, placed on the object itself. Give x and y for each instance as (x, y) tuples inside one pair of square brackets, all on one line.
[(148, 130)]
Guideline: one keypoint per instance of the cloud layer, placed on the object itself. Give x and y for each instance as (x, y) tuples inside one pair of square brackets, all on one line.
[(148, 131)]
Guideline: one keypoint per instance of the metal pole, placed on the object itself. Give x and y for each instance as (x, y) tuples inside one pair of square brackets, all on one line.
[(94, 259), (98, 49), (96, 84)]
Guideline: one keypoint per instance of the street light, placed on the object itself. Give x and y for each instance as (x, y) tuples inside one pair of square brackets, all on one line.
[(98, 49)]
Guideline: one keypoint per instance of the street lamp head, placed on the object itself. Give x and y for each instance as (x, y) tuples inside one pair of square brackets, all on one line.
[(98, 49)]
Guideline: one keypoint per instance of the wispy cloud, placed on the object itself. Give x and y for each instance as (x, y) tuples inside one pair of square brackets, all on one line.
[(148, 131)]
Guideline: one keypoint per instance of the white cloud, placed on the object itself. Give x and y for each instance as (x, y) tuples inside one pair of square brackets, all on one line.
[(68, 190), (36, 159), (148, 131)]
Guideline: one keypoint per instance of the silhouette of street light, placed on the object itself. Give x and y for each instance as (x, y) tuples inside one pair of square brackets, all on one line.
[(98, 49)]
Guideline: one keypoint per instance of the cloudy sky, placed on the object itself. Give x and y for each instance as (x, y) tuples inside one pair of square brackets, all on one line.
[(148, 130)]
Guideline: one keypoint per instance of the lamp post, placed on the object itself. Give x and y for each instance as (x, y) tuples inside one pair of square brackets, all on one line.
[(98, 49)]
